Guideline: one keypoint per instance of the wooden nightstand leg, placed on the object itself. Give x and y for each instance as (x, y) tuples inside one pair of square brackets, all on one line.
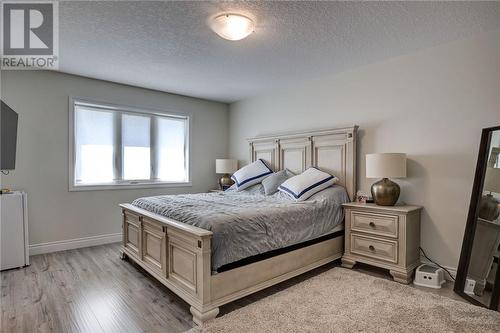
[(348, 263), (402, 277)]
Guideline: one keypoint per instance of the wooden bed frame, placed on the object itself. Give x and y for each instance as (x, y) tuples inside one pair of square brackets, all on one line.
[(179, 255)]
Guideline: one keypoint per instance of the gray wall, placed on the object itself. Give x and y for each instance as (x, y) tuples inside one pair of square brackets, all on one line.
[(430, 105), (41, 99)]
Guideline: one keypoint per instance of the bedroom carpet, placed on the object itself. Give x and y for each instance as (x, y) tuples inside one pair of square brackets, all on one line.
[(341, 300)]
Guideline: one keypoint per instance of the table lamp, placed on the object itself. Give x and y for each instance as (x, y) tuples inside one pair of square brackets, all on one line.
[(226, 167), (489, 207), (386, 165)]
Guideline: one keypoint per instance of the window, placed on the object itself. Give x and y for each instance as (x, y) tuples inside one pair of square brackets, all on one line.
[(116, 147)]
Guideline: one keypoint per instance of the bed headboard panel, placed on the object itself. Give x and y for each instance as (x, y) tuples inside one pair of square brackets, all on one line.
[(333, 151)]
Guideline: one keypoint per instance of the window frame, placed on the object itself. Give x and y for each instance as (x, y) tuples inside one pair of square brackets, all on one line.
[(125, 109)]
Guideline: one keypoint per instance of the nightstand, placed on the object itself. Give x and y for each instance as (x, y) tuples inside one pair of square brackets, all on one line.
[(383, 236)]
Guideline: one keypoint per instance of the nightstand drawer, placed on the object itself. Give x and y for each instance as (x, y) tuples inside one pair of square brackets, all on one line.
[(386, 250), (377, 224)]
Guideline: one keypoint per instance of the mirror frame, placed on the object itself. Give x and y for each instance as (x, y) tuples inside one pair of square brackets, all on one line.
[(470, 228)]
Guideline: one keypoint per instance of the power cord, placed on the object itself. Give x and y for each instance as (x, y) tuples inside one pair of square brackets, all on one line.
[(5, 172), (435, 263)]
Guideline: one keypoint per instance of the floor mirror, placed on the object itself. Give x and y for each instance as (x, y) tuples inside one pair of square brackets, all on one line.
[(478, 274)]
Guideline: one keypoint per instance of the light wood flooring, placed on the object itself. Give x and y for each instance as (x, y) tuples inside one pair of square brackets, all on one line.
[(91, 290)]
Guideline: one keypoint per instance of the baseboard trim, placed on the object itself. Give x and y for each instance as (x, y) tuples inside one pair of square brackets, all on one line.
[(76, 243), (453, 270)]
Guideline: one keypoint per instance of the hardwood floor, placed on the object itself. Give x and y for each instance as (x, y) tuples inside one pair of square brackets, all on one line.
[(92, 290), (88, 290)]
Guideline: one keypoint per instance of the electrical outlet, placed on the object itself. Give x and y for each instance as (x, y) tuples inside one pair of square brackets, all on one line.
[(469, 286)]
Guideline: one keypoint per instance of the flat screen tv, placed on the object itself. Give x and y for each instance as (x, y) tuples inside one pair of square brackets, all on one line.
[(8, 137)]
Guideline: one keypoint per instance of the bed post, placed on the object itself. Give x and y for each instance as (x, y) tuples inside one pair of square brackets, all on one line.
[(176, 254), (204, 311), (201, 317)]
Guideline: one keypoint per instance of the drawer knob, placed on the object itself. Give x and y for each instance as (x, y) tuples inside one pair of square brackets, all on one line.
[(372, 224), (371, 247)]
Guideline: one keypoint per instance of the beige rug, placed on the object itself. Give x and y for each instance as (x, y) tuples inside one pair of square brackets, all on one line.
[(342, 300)]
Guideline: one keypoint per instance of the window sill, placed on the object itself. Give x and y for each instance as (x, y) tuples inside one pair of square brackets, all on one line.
[(90, 187)]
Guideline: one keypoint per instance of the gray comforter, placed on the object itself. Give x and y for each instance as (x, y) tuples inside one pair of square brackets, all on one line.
[(248, 223)]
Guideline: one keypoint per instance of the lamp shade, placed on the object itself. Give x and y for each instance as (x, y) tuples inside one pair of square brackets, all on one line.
[(226, 165), (492, 180), (386, 165)]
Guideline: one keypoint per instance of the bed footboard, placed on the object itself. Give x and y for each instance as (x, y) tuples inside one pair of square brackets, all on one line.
[(179, 256), (176, 254)]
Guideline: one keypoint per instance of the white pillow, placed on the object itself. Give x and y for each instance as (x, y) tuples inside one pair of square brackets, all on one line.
[(251, 174), (309, 182)]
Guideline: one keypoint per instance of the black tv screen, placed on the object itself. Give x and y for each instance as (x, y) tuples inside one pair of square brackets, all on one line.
[(8, 127)]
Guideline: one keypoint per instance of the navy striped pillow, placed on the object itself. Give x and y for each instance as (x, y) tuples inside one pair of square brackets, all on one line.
[(251, 174), (311, 181)]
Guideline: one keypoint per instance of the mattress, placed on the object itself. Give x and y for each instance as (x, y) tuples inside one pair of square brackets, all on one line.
[(248, 223)]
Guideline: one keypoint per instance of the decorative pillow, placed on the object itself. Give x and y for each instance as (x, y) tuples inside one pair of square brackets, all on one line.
[(309, 182), (272, 182), (251, 174)]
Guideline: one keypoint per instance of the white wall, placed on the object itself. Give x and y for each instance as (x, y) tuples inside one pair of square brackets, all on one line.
[(41, 99), (430, 105)]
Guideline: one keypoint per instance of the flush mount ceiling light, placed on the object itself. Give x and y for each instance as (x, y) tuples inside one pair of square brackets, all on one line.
[(232, 26)]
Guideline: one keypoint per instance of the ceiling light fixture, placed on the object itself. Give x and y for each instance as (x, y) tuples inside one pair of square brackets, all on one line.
[(232, 26)]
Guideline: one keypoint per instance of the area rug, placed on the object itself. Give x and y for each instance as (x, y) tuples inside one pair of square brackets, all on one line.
[(341, 300)]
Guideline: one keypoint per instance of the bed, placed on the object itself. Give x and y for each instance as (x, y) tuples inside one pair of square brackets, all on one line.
[(213, 248), (249, 223)]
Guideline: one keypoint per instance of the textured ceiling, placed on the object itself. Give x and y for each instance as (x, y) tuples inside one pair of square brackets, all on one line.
[(168, 46)]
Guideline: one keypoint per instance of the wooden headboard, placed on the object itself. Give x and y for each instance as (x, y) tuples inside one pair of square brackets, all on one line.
[(332, 150)]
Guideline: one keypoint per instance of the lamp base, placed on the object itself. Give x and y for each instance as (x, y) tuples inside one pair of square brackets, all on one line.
[(489, 208), (225, 182), (385, 192)]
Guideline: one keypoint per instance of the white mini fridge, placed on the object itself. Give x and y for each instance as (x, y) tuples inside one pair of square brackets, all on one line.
[(14, 250)]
